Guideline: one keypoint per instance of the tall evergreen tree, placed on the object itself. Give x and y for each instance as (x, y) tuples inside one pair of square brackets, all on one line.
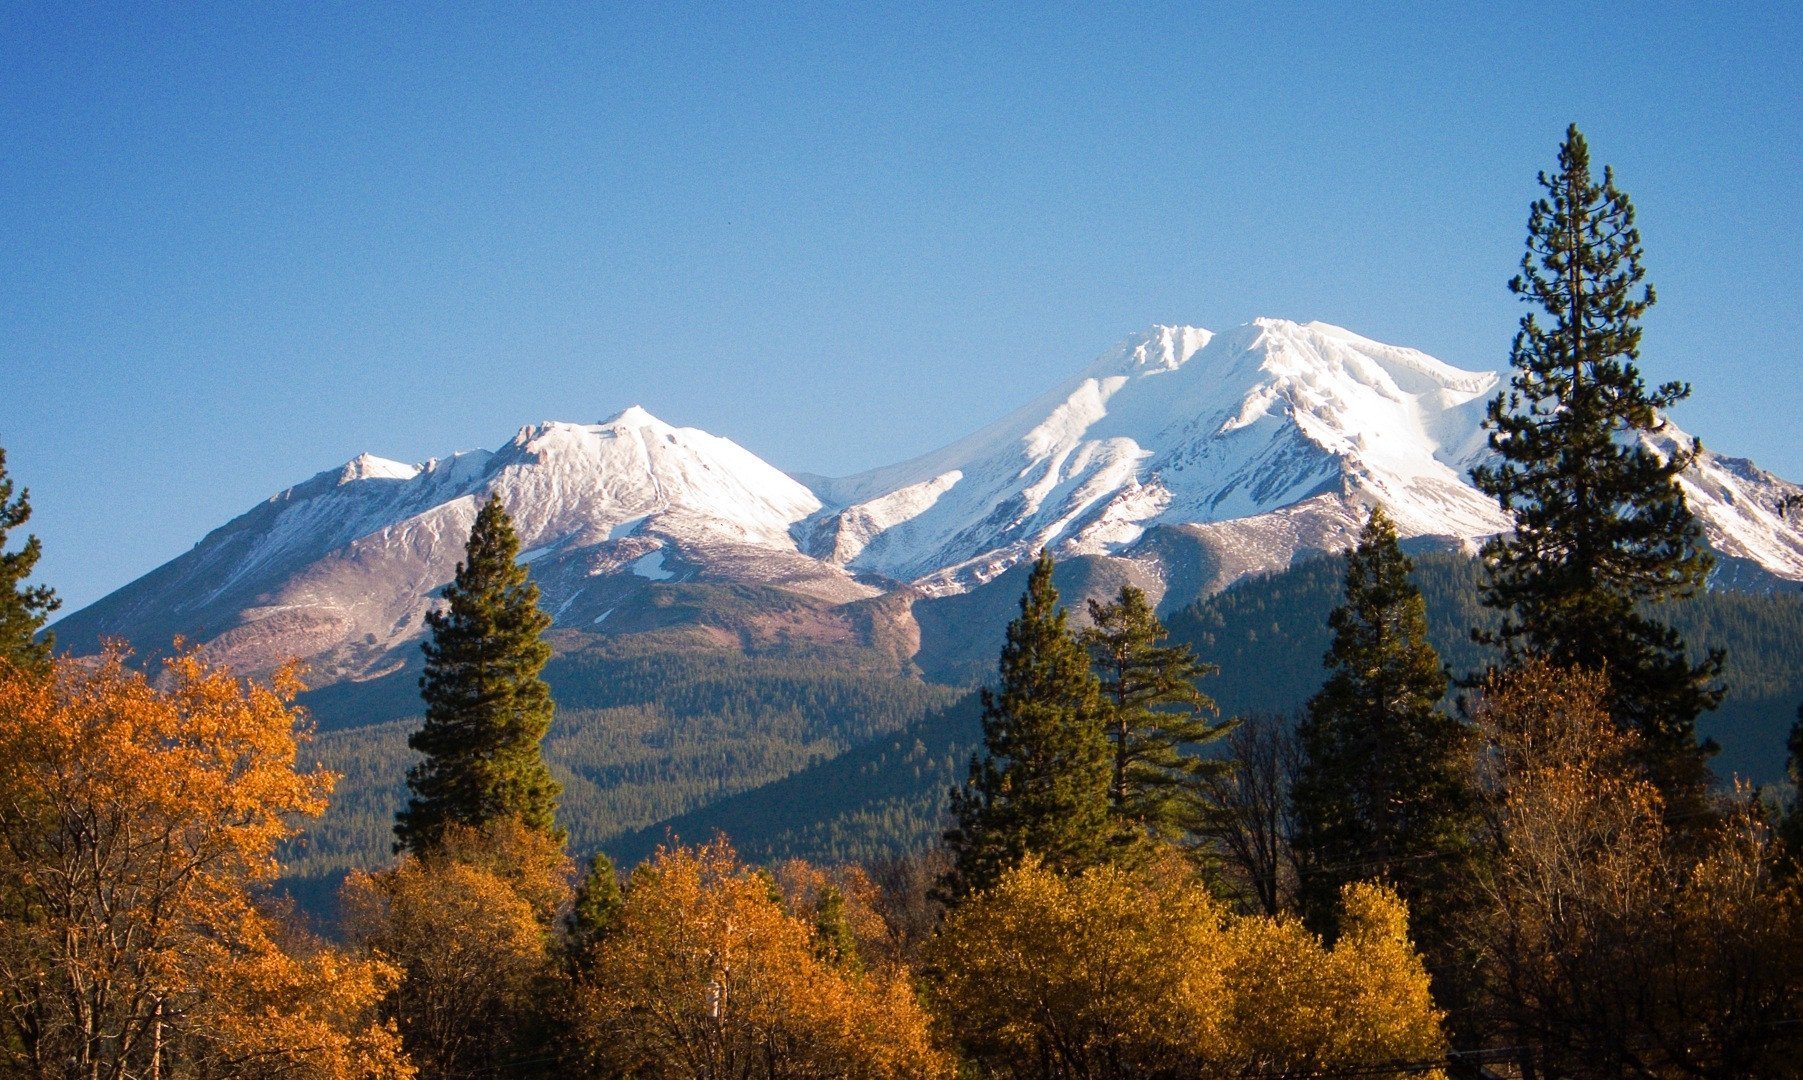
[(1155, 718), (1601, 526), (1041, 784), (487, 709), (23, 608), (1383, 787)]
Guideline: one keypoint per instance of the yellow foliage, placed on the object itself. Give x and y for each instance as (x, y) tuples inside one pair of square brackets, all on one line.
[(707, 976), (468, 927), (1124, 973), (803, 884), (133, 823), (1299, 1008)]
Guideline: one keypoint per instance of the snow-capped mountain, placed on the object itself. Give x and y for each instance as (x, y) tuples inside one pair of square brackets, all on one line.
[(342, 568), (1187, 458), (1178, 426)]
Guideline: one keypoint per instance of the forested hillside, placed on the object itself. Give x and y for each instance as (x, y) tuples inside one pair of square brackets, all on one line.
[(643, 733), (1268, 636)]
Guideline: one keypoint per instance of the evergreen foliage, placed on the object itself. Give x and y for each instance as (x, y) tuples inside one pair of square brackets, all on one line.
[(1602, 528), (1383, 787), (487, 709), (1041, 784), (808, 758), (656, 739), (23, 608), (595, 910), (833, 939), (1155, 717)]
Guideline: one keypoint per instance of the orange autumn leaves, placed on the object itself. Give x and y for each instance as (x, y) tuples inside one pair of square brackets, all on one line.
[(139, 818), (134, 821), (710, 974)]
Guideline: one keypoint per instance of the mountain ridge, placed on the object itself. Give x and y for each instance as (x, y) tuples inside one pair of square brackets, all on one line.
[(1190, 458)]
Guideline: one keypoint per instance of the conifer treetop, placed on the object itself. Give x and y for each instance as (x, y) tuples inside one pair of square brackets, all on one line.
[(1155, 716), (1382, 790)]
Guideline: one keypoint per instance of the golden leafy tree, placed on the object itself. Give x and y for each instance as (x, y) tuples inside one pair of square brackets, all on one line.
[(135, 823), (842, 904), (1299, 1009), (1610, 941), (1134, 972), (706, 975), (469, 925)]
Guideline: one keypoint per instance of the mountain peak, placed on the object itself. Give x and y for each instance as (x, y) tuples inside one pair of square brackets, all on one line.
[(634, 416), (367, 466)]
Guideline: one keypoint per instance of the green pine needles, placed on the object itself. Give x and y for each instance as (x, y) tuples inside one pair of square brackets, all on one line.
[(1383, 789), (1041, 784), (1155, 717), (594, 911), (1080, 768), (23, 608), (1601, 526), (487, 709)]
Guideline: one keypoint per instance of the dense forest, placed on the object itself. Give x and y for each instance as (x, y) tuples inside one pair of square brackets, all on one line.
[(642, 735), (1267, 635)]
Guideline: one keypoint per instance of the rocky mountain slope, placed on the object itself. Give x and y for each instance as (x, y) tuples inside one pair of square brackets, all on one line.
[(1181, 460)]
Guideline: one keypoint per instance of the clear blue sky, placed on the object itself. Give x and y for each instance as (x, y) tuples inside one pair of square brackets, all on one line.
[(242, 244)]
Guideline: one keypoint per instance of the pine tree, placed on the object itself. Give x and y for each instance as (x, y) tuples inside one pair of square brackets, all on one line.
[(23, 608), (595, 910), (1155, 718), (487, 709), (833, 939), (1041, 785), (1601, 526), (1383, 788)]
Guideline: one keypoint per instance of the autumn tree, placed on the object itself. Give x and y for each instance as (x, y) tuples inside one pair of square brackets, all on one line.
[(707, 976), (23, 608), (469, 924), (487, 709), (138, 822), (1608, 945), (1040, 785), (1602, 530), (1383, 788), (1155, 716), (1138, 971)]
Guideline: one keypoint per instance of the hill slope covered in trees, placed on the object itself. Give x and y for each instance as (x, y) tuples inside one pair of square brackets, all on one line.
[(1268, 636)]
